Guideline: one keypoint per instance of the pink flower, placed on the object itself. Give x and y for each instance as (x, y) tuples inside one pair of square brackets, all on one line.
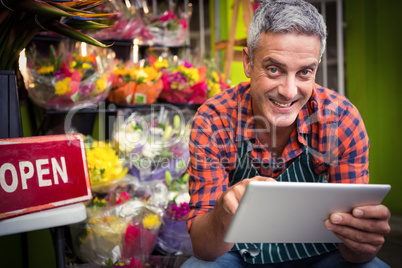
[(123, 197), (183, 23), (178, 213), (75, 82), (167, 16)]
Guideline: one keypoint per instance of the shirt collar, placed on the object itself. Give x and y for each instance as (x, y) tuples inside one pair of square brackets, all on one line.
[(247, 122), (305, 117)]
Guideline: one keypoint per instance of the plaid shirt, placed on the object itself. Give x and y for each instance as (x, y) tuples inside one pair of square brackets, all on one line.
[(339, 143)]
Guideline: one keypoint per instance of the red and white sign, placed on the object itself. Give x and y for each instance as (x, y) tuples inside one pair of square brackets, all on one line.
[(38, 173)]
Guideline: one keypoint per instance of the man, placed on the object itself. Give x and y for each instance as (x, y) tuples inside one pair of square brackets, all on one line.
[(280, 121)]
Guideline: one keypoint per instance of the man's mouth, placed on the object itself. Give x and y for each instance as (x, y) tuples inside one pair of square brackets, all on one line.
[(282, 105)]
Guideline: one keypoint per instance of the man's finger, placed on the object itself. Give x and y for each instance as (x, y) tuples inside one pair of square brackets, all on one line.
[(374, 212)]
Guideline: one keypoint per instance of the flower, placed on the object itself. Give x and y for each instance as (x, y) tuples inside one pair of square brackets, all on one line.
[(183, 76), (65, 79), (123, 197), (104, 164), (178, 213), (21, 20), (184, 83), (168, 29), (215, 81), (133, 84), (178, 197), (151, 222), (154, 142)]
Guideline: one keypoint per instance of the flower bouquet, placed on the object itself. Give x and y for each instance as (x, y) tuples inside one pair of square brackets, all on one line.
[(154, 141), (167, 30), (173, 237), (184, 83), (105, 166), (121, 227), (214, 79), (135, 85), (124, 21), (64, 80)]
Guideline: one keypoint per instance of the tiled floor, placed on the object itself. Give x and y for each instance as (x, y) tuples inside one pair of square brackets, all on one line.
[(391, 251)]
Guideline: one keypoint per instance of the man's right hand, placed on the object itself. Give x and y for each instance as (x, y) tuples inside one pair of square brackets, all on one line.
[(230, 199)]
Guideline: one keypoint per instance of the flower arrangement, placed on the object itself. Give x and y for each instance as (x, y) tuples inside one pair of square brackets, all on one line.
[(173, 237), (121, 227), (104, 165), (132, 84), (66, 80), (184, 83), (153, 142), (214, 79), (21, 20), (124, 23), (167, 29)]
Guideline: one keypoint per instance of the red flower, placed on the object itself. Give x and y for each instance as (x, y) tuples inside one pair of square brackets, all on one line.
[(167, 16)]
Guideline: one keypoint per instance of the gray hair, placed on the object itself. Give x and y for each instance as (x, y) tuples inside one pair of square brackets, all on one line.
[(285, 16)]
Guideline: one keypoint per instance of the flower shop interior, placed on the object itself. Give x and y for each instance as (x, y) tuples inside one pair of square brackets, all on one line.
[(131, 89)]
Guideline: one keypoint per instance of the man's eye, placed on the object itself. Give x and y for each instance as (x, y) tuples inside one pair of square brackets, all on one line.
[(273, 70), (305, 72)]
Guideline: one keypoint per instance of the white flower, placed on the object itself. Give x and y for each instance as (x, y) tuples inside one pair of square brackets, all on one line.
[(182, 198), (150, 151)]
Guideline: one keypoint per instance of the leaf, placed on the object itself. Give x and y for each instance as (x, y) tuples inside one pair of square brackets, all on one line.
[(41, 8), (68, 31), (85, 24), (66, 8)]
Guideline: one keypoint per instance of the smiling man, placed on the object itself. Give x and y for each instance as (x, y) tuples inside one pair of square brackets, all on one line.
[(280, 126)]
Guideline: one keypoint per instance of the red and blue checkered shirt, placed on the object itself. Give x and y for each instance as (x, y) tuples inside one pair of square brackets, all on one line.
[(339, 143)]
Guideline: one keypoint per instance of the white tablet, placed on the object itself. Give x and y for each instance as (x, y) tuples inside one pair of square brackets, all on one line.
[(294, 212)]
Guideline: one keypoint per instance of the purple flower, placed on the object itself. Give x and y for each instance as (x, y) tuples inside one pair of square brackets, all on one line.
[(187, 64), (182, 81), (178, 213)]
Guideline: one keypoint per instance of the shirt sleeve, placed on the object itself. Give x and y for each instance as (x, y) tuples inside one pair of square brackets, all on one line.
[(208, 177)]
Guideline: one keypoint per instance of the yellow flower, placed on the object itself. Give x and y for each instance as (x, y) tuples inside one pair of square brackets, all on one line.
[(104, 164), (161, 64), (140, 73), (45, 70), (86, 66), (151, 222), (101, 84), (175, 85), (132, 73), (213, 88), (89, 58), (120, 72), (215, 76), (63, 86), (191, 73), (151, 72)]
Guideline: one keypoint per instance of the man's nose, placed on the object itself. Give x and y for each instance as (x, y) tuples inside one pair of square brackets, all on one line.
[(288, 90)]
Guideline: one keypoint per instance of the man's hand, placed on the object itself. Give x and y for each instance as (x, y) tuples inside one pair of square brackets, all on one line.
[(361, 232), (230, 199), (208, 230)]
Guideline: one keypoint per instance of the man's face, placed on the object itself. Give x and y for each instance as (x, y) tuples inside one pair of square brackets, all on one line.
[(282, 76)]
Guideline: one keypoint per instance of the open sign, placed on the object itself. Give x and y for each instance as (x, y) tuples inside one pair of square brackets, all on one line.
[(38, 173)]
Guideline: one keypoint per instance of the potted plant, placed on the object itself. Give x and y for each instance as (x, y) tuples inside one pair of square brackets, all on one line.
[(20, 21)]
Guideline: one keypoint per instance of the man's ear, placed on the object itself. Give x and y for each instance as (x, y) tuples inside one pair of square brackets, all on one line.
[(246, 62)]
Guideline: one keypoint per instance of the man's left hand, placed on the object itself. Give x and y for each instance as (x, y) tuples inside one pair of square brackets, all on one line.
[(362, 231)]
